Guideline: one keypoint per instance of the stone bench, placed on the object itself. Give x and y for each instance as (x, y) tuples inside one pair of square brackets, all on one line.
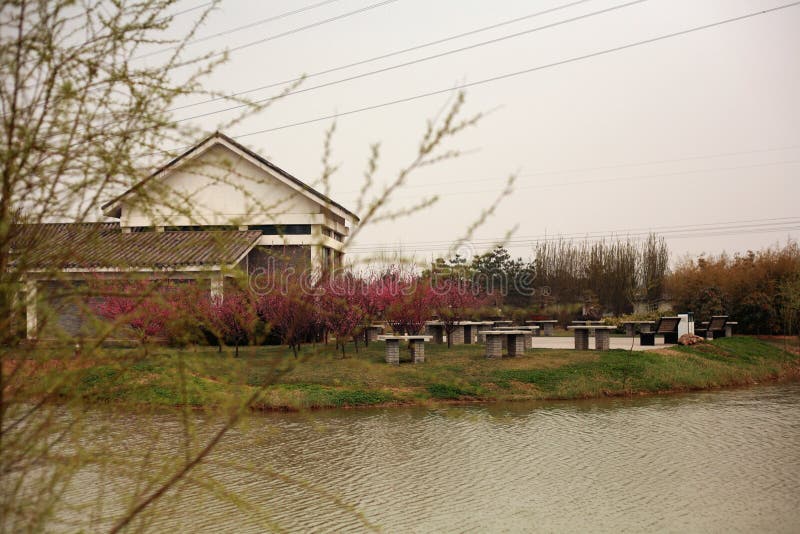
[(515, 341), (415, 343), (602, 336)]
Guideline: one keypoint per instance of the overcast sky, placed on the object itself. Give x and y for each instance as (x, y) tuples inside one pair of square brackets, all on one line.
[(700, 131)]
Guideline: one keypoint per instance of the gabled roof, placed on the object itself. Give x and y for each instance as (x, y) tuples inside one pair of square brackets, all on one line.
[(218, 137), (105, 246)]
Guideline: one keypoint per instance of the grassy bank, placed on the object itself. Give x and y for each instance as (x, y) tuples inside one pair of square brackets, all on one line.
[(321, 378)]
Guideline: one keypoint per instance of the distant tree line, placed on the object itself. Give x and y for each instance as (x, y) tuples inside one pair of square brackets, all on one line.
[(609, 275), (760, 290)]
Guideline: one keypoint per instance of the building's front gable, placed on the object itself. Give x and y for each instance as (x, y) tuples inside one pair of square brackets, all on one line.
[(219, 186)]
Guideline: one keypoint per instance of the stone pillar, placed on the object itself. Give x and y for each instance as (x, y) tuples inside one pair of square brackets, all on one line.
[(217, 285), (630, 329), (548, 329), (581, 339), (393, 351), (729, 330), (645, 327), (438, 334), (31, 299), (494, 347), (372, 333), (516, 344), (457, 336), (469, 335), (602, 339), (417, 350), (528, 340)]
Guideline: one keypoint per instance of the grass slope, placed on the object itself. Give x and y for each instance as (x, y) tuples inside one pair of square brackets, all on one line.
[(320, 378)]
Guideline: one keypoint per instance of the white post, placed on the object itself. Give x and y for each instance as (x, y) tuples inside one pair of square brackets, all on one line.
[(217, 286), (30, 308)]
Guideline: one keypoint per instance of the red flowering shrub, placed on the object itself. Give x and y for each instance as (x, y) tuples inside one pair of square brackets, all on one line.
[(144, 306), (291, 311)]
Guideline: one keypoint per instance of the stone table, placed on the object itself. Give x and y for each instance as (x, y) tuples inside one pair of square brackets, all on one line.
[(546, 326), (515, 341), (602, 337), (416, 344)]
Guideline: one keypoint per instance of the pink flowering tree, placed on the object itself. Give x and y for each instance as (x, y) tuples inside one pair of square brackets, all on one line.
[(340, 304), (143, 306), (291, 310), (232, 318), (411, 303)]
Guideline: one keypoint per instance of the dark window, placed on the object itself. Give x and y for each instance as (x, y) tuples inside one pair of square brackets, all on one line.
[(199, 228), (282, 229)]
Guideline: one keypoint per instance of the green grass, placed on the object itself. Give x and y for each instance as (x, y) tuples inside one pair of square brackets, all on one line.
[(321, 378)]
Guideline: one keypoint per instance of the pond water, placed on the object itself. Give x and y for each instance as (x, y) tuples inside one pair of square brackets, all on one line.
[(715, 461)]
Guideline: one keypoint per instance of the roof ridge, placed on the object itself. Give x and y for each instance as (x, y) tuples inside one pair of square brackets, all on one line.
[(230, 140)]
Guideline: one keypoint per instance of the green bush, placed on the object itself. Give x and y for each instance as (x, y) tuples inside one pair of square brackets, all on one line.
[(449, 391)]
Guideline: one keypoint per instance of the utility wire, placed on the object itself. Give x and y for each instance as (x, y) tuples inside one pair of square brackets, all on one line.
[(418, 60), (582, 182), (238, 28), (683, 228), (383, 56), (500, 242), (553, 185), (517, 244), (306, 27), (189, 10), (521, 72)]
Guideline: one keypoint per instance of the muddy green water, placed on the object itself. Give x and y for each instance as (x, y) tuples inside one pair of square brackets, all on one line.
[(708, 462)]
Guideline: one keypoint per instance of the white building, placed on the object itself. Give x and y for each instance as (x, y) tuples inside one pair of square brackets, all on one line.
[(220, 184), (215, 208)]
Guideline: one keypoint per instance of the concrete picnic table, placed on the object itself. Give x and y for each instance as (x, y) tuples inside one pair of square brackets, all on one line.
[(480, 328), (372, 331), (546, 325), (435, 329), (515, 341), (463, 331), (528, 337), (602, 338), (644, 326), (416, 344)]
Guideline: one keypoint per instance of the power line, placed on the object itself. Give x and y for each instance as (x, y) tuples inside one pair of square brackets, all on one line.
[(307, 27), (695, 229), (189, 10), (419, 60), (585, 182), (666, 237), (238, 28), (383, 56), (521, 72)]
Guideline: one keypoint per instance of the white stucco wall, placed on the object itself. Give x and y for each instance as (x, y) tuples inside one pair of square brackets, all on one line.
[(221, 187)]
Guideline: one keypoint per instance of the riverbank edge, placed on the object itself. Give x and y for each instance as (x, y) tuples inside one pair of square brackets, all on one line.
[(791, 373)]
